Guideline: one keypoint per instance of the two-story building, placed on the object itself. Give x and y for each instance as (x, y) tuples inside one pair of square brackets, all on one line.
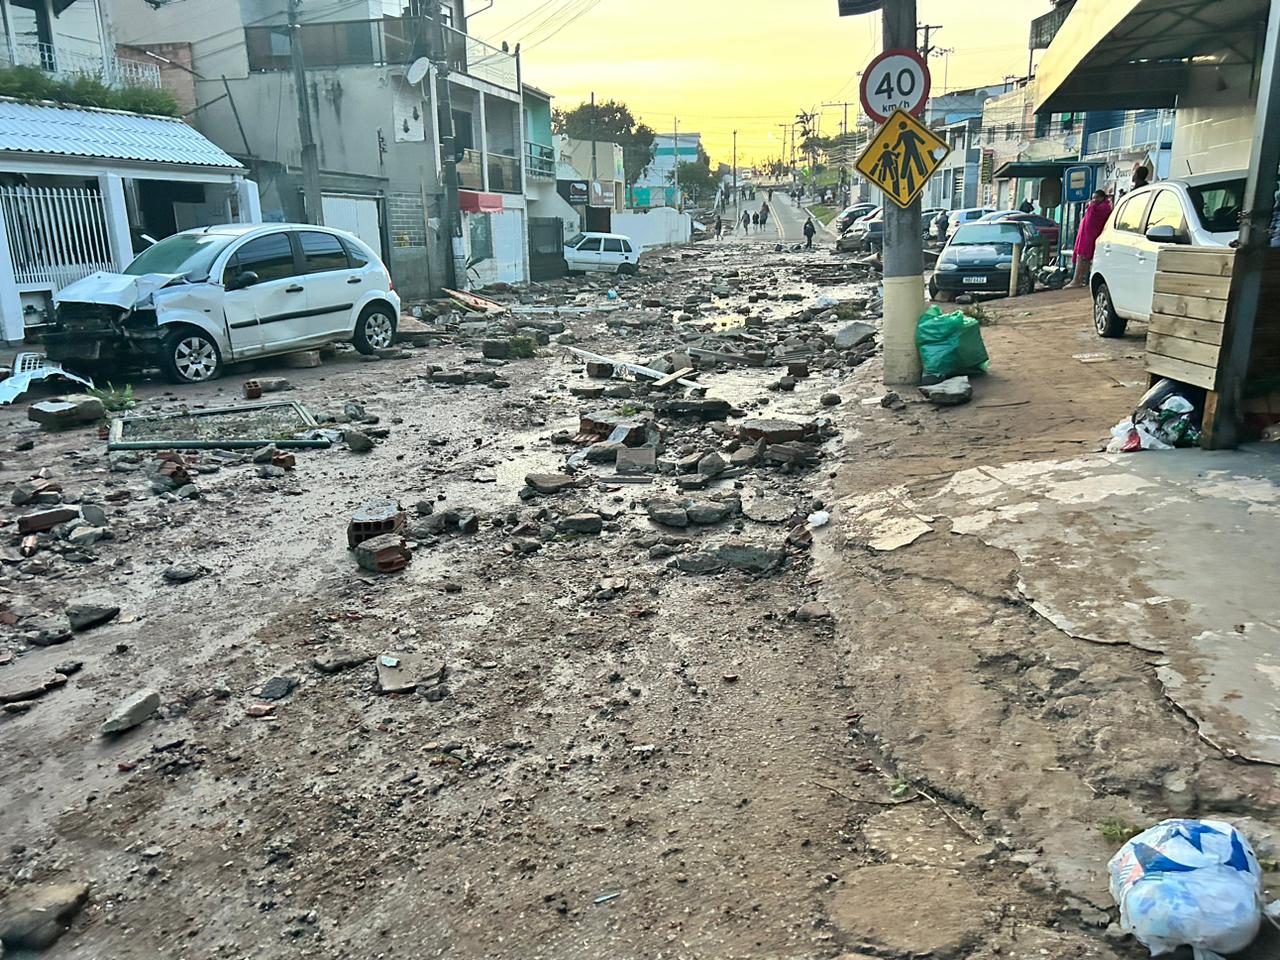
[(376, 108), (81, 189)]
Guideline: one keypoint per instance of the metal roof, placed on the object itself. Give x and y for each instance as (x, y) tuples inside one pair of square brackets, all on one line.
[(85, 132), (1131, 54)]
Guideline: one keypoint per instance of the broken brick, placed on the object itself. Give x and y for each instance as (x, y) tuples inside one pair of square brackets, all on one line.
[(44, 520), (374, 519), (383, 554)]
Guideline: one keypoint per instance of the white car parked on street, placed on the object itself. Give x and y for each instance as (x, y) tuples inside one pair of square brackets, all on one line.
[(1201, 211), (200, 299), (958, 218), (601, 253)]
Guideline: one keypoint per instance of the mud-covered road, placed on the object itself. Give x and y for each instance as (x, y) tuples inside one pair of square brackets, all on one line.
[(687, 733)]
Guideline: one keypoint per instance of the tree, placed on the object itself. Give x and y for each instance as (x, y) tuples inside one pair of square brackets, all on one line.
[(614, 123), (697, 181)]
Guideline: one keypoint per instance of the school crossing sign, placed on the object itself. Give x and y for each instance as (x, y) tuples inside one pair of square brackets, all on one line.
[(902, 157)]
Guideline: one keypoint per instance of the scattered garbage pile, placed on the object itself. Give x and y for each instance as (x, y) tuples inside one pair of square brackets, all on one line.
[(1190, 883), (1169, 415)]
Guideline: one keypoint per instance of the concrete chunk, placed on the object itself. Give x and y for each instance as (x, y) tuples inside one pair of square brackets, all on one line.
[(34, 917), (132, 712)]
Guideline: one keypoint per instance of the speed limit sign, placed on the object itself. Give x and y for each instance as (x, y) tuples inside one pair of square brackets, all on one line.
[(896, 80)]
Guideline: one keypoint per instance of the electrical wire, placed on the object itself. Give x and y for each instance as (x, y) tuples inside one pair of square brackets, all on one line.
[(590, 5), (550, 21), (502, 32)]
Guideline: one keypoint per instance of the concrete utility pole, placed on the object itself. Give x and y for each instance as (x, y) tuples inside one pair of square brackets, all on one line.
[(735, 169), (448, 148), (310, 153), (675, 149), (928, 30), (903, 256), (594, 164)]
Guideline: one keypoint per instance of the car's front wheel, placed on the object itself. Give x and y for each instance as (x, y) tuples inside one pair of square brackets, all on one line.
[(1106, 321), (190, 355), (375, 330), (627, 269)]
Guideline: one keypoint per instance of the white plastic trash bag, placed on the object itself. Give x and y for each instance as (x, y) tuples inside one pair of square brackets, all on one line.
[(1192, 883)]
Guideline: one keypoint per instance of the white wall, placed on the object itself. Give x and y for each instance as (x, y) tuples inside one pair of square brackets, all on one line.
[(660, 227), (508, 232), (1215, 125)]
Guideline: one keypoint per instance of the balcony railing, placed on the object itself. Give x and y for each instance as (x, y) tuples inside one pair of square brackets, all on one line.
[(388, 41), (476, 58), (341, 43), (540, 160), (504, 174), (62, 63), (1155, 132), (470, 171)]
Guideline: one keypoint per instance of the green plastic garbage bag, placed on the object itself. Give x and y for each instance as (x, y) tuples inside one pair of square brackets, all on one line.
[(950, 344)]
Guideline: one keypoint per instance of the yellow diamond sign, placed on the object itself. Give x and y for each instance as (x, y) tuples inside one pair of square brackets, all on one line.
[(902, 157)]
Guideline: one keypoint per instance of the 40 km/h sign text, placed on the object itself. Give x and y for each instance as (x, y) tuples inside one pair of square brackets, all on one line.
[(896, 80)]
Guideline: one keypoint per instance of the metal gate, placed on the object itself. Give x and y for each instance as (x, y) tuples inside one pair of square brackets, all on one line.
[(56, 235), (546, 248)]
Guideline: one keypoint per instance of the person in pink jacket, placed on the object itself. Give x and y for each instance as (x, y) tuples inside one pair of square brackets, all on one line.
[(1091, 224)]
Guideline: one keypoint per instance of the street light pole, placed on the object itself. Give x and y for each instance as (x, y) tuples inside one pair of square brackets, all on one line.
[(903, 254), (735, 170)]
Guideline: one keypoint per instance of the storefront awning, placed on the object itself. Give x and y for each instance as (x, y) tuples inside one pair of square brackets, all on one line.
[(1136, 54), (469, 201), (1029, 170)]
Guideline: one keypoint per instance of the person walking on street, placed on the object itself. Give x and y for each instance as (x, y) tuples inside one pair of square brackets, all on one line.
[(755, 220), (764, 215), (746, 222), (1027, 206), (809, 231), (1091, 224), (719, 226)]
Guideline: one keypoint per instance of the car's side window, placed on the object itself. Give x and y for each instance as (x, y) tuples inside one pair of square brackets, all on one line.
[(626, 247), (613, 246), (1129, 217), (1166, 211), (322, 252), (355, 254), (590, 245), (270, 257)]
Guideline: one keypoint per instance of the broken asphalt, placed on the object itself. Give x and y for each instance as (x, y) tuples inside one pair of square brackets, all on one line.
[(605, 711)]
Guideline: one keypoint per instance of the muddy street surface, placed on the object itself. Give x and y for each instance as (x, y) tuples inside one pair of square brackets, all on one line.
[(643, 690)]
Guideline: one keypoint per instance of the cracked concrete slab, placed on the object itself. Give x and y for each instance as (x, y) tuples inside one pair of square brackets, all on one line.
[(1172, 553), (910, 910)]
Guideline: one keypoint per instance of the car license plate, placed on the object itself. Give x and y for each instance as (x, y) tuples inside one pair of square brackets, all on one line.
[(975, 279)]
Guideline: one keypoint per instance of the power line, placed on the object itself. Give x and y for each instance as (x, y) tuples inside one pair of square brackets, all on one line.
[(590, 5)]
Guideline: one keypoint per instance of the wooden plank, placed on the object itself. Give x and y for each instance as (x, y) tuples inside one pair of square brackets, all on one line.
[(671, 378), (1182, 284), (1202, 331), (1197, 308), (1191, 373), (1205, 354), (1203, 263)]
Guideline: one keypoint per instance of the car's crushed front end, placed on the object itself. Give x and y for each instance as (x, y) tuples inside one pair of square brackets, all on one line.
[(112, 319)]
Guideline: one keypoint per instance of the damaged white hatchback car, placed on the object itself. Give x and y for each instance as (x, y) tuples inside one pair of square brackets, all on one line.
[(203, 298)]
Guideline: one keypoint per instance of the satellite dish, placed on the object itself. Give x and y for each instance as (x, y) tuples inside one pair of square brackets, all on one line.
[(418, 70)]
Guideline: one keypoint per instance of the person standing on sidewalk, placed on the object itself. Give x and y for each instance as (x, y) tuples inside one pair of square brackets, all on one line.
[(1091, 224), (809, 231)]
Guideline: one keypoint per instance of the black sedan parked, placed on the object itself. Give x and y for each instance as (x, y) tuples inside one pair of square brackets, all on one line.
[(980, 256)]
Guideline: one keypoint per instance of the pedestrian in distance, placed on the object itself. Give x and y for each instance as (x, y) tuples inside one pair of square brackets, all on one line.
[(809, 231), (1027, 206), (755, 220), (1141, 176), (771, 194), (941, 223), (746, 222), (764, 215), (719, 226), (1091, 224)]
